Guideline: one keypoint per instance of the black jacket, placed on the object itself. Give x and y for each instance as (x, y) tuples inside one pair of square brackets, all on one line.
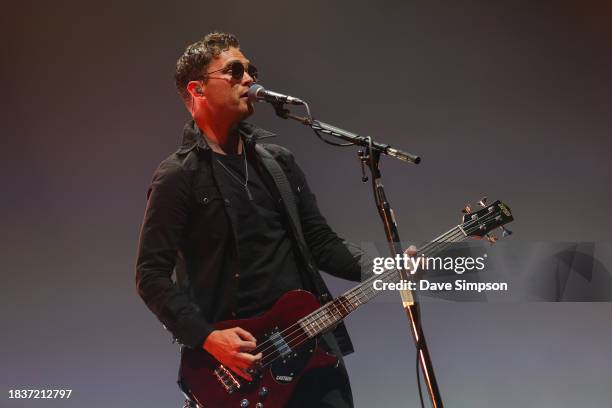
[(189, 225)]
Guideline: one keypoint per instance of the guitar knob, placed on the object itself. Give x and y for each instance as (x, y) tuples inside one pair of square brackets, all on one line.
[(467, 209), (244, 403), (483, 201), (259, 405), (263, 391)]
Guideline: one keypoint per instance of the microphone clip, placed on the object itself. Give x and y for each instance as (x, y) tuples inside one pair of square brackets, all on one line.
[(280, 109)]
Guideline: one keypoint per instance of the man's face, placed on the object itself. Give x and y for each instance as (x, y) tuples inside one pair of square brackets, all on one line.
[(226, 97)]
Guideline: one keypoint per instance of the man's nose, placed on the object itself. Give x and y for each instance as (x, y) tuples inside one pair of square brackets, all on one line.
[(247, 79)]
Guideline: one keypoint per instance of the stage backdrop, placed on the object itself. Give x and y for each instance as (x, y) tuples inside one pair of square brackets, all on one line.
[(508, 99)]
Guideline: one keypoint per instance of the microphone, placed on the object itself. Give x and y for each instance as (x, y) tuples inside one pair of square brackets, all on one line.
[(259, 93)]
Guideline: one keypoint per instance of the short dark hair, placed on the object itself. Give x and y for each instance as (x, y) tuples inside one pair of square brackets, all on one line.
[(196, 57)]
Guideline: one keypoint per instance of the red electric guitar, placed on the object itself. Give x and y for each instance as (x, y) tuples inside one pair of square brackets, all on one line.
[(287, 334)]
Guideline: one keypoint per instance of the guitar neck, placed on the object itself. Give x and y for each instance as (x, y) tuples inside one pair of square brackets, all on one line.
[(330, 314)]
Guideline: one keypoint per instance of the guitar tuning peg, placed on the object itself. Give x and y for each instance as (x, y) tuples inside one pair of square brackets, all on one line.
[(361, 157), (491, 238), (467, 209), (505, 232), (483, 201)]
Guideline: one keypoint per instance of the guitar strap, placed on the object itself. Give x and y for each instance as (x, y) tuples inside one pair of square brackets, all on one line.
[(284, 188), (341, 339)]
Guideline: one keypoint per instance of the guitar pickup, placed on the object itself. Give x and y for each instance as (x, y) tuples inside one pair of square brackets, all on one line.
[(280, 344)]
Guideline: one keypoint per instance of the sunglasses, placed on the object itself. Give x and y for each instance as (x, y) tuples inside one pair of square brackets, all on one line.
[(236, 69)]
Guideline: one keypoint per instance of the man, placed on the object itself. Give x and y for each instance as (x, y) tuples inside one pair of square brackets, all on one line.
[(215, 212)]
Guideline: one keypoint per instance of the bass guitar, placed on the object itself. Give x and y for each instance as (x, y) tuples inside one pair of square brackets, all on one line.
[(287, 334)]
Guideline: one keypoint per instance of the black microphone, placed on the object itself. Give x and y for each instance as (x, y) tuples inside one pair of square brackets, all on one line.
[(259, 93)]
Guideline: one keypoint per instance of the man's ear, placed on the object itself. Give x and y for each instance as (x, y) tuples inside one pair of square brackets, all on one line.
[(195, 89)]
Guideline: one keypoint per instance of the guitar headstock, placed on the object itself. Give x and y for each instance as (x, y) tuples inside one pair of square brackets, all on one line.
[(479, 223)]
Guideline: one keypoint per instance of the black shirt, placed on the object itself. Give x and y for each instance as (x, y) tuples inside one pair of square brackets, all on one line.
[(267, 262), (190, 226)]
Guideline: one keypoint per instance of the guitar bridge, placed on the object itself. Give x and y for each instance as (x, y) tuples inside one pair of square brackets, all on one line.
[(227, 379)]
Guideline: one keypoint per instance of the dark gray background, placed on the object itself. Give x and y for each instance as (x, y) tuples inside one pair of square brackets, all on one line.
[(508, 99)]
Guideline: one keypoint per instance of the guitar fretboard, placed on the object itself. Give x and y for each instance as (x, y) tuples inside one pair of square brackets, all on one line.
[(330, 314)]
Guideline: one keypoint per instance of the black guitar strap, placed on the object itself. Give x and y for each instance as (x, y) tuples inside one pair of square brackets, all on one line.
[(284, 188), (288, 197)]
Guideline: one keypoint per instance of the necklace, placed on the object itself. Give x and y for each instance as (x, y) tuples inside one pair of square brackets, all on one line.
[(237, 178)]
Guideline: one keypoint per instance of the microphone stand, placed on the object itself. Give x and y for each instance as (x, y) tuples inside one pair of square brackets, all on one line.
[(371, 157)]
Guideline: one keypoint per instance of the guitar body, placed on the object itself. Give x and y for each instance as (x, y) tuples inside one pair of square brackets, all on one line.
[(212, 385)]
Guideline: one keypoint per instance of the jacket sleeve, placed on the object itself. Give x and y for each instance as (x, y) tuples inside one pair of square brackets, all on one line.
[(331, 253), (163, 227)]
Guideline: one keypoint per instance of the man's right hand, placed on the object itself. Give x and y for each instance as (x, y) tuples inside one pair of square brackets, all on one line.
[(230, 347)]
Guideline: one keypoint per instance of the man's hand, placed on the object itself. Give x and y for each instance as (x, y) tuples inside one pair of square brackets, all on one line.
[(230, 347), (411, 250)]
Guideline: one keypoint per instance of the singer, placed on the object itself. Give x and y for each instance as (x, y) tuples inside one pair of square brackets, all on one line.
[(215, 216)]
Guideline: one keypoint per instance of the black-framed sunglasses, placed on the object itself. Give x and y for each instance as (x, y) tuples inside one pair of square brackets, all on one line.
[(236, 69)]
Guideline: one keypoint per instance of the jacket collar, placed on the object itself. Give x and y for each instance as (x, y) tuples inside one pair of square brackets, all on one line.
[(193, 138)]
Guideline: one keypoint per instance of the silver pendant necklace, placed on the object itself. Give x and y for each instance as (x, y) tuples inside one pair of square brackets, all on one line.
[(237, 178)]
